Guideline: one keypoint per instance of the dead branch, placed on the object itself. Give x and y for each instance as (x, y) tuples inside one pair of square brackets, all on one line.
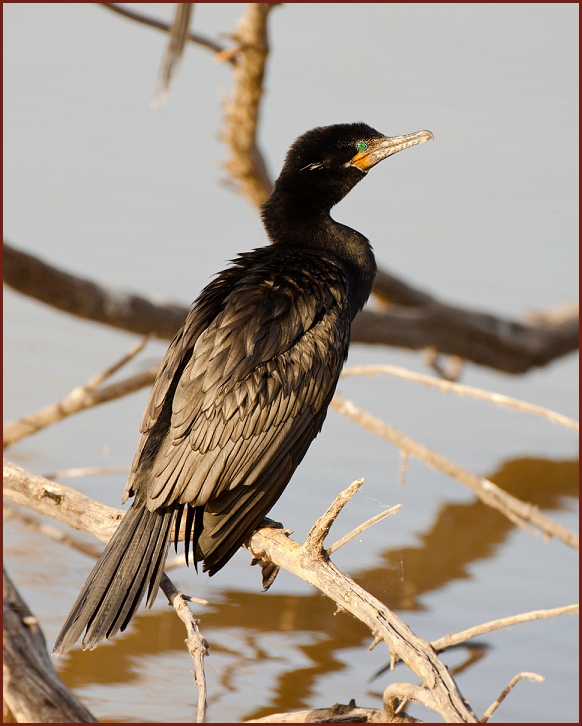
[(59, 502), (358, 530), (488, 340), (339, 713), (80, 399), (196, 643), (449, 640), (196, 38), (85, 299), (506, 345), (463, 390), (524, 515), (178, 35), (489, 712), (241, 119), (33, 692), (52, 532), (80, 512), (79, 471), (309, 563)]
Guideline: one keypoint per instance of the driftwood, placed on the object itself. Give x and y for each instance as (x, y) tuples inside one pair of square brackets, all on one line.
[(273, 549), (338, 713), (33, 692), (78, 511)]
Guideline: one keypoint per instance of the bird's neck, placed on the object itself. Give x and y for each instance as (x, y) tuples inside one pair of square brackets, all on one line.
[(316, 230)]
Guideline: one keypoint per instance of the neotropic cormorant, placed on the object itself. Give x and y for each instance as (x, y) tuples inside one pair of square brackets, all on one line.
[(245, 385)]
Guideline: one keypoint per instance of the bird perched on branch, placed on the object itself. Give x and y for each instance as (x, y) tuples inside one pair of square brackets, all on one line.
[(246, 383)]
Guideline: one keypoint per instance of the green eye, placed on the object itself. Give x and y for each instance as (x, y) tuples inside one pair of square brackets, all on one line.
[(361, 146)]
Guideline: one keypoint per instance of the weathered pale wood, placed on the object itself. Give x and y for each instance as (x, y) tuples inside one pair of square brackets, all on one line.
[(309, 562), (33, 692)]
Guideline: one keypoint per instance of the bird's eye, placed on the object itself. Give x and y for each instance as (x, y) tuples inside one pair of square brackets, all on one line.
[(361, 146)]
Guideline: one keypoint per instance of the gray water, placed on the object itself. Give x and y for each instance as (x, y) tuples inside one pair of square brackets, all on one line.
[(485, 216)]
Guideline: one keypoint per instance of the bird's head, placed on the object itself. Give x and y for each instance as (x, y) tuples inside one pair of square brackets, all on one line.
[(323, 165), (344, 147)]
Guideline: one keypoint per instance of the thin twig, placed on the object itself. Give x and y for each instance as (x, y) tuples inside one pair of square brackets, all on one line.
[(449, 640), (197, 38), (196, 643), (355, 532), (531, 676), (174, 51), (82, 471), (50, 531), (79, 399), (463, 390), (322, 526), (524, 515), (99, 378)]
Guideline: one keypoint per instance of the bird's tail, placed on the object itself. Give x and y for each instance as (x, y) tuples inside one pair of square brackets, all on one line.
[(133, 559)]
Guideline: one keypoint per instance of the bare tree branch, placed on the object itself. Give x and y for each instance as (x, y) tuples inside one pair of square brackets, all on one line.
[(80, 399), (201, 40), (524, 515), (246, 165), (449, 640), (520, 676), (49, 530), (33, 692), (339, 713), (80, 512), (506, 345), (503, 345), (463, 390), (310, 563), (196, 643), (31, 276), (174, 50)]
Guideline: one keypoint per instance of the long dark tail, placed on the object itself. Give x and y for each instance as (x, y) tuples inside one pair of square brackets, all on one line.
[(133, 559)]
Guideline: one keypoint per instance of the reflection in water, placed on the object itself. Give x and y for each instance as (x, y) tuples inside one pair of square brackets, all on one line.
[(461, 535)]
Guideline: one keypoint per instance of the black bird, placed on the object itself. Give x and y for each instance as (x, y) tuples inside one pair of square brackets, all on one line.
[(245, 385)]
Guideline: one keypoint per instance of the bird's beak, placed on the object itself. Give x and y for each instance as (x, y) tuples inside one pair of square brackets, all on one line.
[(382, 148)]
